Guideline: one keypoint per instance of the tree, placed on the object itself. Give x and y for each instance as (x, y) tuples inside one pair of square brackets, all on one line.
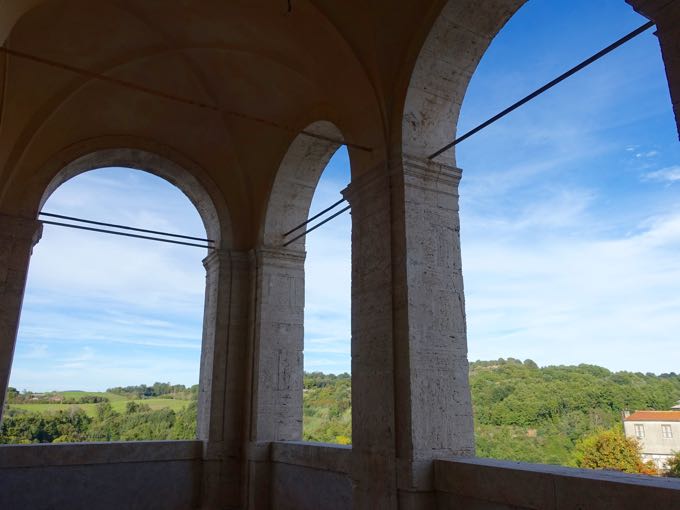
[(674, 465), (611, 449)]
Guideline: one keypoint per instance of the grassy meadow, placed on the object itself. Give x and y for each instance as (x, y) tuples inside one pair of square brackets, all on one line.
[(118, 403)]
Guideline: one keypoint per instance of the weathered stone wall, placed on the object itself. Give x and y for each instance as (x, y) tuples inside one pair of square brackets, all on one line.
[(153, 475), (311, 476)]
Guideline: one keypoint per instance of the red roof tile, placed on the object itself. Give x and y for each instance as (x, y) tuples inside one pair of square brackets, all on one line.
[(654, 416)]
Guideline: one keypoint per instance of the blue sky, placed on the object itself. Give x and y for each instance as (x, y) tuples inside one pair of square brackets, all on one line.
[(570, 212), (570, 207), (101, 310)]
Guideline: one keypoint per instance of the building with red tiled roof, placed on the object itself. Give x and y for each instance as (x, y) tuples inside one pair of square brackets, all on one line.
[(654, 416), (658, 432)]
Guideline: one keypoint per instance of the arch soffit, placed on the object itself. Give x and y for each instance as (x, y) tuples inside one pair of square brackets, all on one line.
[(161, 161), (296, 179), (438, 77)]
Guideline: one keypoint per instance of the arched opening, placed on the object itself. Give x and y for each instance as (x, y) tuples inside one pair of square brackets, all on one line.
[(327, 389), (319, 328), (106, 314), (580, 291), (578, 246)]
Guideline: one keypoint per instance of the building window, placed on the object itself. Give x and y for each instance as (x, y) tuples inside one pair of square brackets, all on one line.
[(639, 430), (666, 432)]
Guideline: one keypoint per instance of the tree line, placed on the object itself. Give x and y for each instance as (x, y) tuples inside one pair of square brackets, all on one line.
[(136, 423), (566, 415)]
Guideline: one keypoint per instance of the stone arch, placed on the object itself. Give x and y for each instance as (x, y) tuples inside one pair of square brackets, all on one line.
[(295, 182), (456, 42), (191, 181), (276, 413), (195, 184)]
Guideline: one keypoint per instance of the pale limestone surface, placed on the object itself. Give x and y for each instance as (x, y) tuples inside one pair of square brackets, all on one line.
[(387, 78)]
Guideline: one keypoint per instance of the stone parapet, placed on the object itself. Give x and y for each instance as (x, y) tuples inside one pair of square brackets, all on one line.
[(504, 485)]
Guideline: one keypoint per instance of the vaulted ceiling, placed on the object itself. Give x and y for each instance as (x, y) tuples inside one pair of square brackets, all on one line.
[(261, 71)]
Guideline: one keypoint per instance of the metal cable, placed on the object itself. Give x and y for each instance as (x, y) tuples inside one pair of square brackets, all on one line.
[(91, 229), (125, 227), (317, 225), (547, 86), (329, 208)]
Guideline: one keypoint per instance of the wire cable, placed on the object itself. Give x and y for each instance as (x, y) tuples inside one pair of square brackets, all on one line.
[(547, 86), (125, 227), (318, 225), (91, 229), (329, 208)]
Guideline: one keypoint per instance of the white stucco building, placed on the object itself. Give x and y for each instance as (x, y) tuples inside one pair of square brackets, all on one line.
[(657, 431)]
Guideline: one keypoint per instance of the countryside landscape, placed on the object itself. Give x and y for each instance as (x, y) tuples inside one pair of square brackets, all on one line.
[(564, 415)]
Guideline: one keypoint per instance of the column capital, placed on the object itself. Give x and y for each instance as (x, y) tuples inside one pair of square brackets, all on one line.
[(407, 168), (281, 255), (372, 180), (218, 257), (18, 228), (427, 169), (428, 176)]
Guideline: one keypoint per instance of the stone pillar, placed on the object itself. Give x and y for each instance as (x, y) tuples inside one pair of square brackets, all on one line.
[(373, 467), (410, 391), (17, 238), (223, 375), (666, 15), (434, 407), (277, 372)]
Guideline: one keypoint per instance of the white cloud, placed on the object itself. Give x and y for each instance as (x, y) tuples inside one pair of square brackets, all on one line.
[(93, 298), (669, 175), (611, 302)]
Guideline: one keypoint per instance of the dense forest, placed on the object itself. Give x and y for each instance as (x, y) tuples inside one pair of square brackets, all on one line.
[(532, 414), (551, 415)]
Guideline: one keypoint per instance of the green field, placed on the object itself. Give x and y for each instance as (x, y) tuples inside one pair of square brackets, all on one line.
[(118, 403)]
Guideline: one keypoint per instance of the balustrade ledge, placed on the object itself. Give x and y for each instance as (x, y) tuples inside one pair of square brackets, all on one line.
[(79, 454), (523, 485)]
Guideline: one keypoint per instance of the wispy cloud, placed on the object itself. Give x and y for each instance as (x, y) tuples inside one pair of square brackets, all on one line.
[(668, 175), (92, 298), (608, 301)]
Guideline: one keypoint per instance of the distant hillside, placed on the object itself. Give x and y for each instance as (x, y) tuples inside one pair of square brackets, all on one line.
[(522, 412), (532, 414)]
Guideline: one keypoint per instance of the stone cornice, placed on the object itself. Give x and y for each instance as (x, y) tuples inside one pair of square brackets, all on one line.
[(20, 229), (232, 257), (277, 253)]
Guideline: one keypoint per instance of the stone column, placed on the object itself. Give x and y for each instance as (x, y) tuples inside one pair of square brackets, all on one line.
[(666, 15), (277, 372), (373, 467), (223, 374), (17, 238), (410, 391), (434, 407)]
